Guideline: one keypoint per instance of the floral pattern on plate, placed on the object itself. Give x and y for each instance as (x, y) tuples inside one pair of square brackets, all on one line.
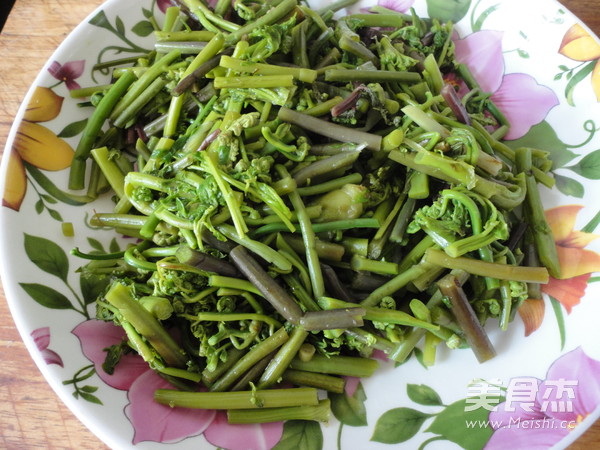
[(42, 147)]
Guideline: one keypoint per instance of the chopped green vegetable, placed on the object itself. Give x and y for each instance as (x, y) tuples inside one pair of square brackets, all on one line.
[(307, 190)]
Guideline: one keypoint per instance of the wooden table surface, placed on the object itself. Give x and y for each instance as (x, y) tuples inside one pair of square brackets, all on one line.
[(31, 415)]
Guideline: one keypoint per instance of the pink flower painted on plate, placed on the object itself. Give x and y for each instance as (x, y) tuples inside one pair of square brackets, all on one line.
[(239, 437), (41, 338), (163, 5), (351, 385), (67, 72), (570, 392), (396, 5), (95, 336), (519, 97), (159, 423)]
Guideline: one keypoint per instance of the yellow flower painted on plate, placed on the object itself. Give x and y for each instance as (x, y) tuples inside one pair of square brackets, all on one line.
[(579, 45), (16, 182), (40, 147), (574, 259), (532, 313), (596, 80), (576, 265), (44, 105), (576, 262), (36, 145)]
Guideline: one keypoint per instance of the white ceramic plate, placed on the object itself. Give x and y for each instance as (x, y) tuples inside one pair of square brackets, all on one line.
[(549, 381)]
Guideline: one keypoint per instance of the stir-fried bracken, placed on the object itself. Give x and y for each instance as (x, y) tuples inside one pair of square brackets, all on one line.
[(305, 191)]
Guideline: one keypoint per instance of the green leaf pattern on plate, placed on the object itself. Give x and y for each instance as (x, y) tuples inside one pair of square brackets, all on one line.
[(448, 10), (46, 296), (398, 425), (423, 395), (301, 435), (350, 410), (450, 424), (73, 129), (47, 255)]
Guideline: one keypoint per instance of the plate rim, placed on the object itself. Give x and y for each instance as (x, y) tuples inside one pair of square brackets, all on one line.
[(10, 288)]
